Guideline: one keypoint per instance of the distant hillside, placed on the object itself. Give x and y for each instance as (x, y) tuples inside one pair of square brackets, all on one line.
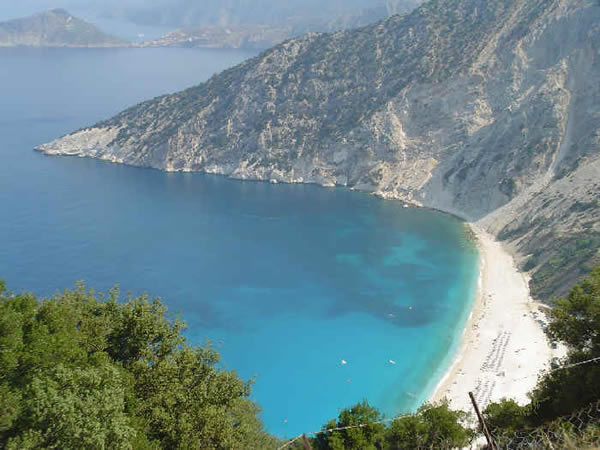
[(230, 30), (289, 13), (486, 109), (54, 28)]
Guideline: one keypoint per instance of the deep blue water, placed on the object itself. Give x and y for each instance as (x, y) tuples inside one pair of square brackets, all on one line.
[(287, 280)]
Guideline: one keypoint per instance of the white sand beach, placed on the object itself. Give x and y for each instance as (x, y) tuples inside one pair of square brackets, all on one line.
[(503, 347)]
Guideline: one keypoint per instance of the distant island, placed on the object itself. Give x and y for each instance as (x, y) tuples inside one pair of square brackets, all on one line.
[(54, 28)]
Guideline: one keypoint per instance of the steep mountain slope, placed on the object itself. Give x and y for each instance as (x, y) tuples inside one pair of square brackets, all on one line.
[(487, 110), (55, 28)]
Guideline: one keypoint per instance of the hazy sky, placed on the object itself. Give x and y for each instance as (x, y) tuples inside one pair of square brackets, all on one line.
[(177, 13), (10, 9)]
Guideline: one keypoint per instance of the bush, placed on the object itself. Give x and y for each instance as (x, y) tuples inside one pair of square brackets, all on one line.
[(77, 371), (434, 426), (505, 416), (367, 437)]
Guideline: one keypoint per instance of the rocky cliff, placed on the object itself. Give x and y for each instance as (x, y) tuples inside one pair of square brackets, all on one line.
[(487, 110), (55, 28)]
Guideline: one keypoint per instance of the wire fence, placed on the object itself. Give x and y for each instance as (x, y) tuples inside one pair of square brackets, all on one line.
[(349, 427), (431, 443), (569, 432), (568, 366), (580, 430)]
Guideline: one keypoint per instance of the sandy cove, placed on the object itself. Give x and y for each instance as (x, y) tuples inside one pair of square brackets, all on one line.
[(503, 347)]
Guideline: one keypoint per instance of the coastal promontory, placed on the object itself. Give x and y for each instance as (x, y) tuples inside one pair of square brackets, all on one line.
[(487, 110), (54, 28)]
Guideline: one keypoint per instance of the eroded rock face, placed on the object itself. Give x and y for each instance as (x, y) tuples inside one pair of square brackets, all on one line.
[(488, 110)]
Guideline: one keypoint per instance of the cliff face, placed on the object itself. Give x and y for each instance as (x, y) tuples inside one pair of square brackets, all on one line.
[(55, 28), (488, 110)]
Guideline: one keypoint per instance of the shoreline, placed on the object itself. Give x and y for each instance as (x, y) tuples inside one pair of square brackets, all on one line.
[(503, 347), (518, 350)]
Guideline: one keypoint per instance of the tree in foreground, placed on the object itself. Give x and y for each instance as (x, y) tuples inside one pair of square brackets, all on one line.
[(78, 371), (369, 436), (434, 426), (506, 416), (575, 321)]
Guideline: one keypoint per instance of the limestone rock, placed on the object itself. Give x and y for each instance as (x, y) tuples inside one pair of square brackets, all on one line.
[(487, 110)]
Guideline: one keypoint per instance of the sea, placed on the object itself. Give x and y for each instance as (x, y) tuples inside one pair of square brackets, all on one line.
[(322, 296)]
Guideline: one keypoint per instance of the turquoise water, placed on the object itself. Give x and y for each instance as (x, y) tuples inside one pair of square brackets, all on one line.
[(286, 280)]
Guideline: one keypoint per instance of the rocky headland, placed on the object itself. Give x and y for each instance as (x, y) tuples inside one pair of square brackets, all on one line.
[(486, 110), (54, 28)]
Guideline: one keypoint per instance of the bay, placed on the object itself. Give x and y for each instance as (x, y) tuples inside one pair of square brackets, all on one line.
[(325, 296)]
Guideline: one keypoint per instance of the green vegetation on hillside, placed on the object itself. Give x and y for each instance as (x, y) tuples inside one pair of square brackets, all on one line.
[(573, 253), (78, 371), (556, 256)]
